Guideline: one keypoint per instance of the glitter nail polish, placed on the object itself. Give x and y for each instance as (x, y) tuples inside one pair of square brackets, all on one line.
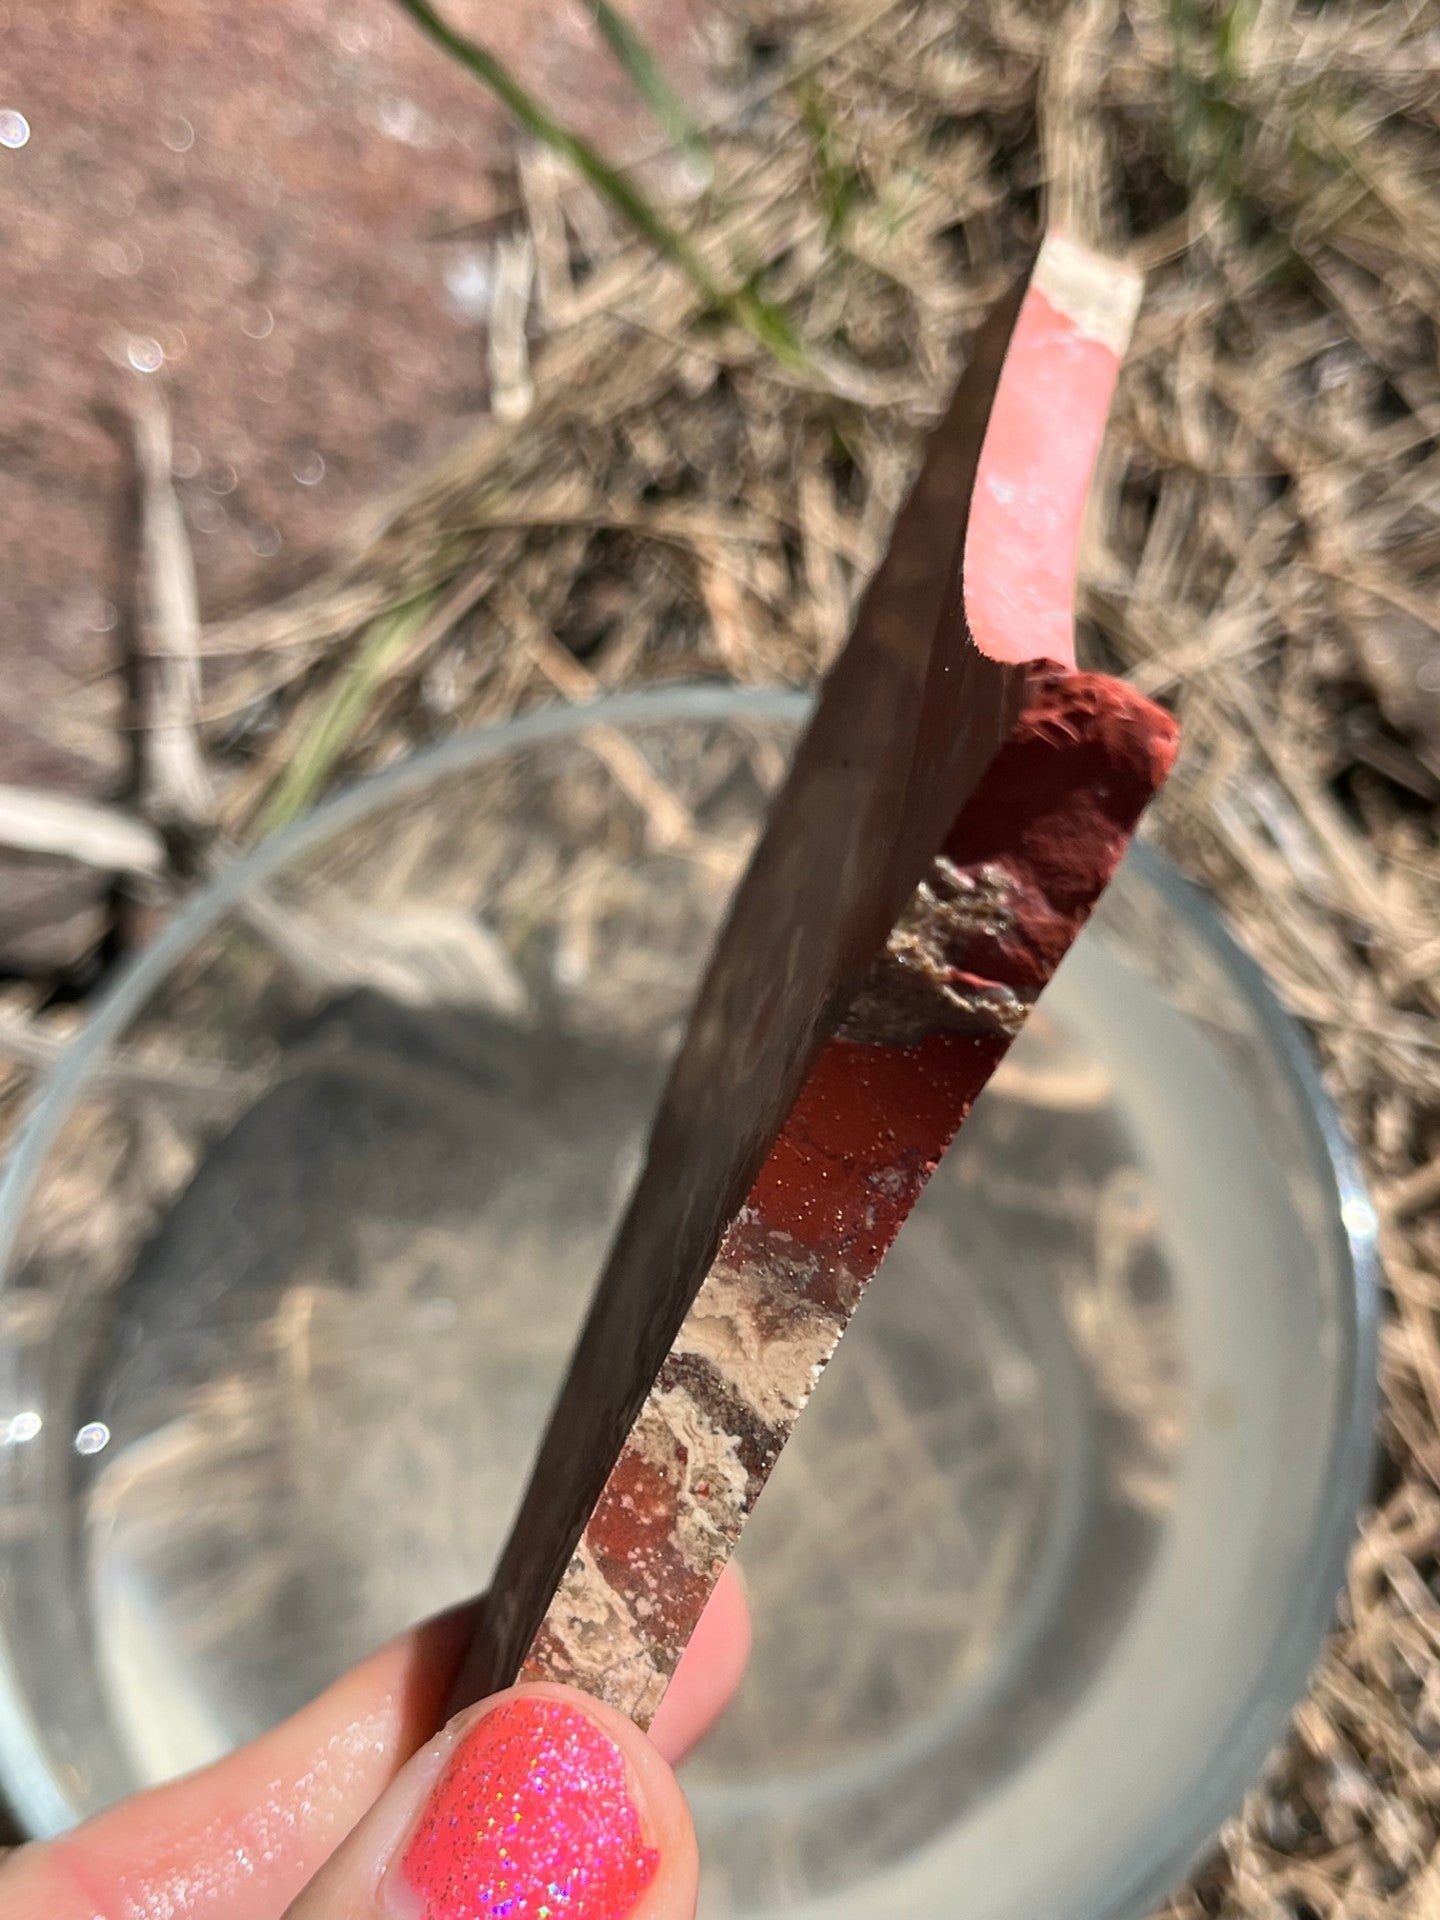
[(531, 1820)]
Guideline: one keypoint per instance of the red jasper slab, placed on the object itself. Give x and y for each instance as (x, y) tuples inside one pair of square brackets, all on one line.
[(955, 809)]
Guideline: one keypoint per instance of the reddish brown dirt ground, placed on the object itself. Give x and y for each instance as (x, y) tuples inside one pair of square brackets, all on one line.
[(247, 199)]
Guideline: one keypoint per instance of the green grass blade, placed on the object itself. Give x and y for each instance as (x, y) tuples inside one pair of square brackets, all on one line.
[(839, 184), (757, 315), (645, 75), (335, 724)]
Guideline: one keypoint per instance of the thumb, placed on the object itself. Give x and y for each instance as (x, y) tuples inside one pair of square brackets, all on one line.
[(537, 1804)]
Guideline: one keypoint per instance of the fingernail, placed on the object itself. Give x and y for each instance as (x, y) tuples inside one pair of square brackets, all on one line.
[(532, 1819)]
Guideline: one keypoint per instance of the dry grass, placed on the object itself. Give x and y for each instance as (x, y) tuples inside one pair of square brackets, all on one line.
[(1265, 554)]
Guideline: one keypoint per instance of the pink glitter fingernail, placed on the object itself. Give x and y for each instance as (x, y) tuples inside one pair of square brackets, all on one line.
[(531, 1820)]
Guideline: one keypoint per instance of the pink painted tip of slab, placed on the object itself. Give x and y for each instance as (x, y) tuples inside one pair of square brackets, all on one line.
[(532, 1820), (1022, 546)]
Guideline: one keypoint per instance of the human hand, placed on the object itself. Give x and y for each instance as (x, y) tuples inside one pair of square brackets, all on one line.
[(538, 1804)]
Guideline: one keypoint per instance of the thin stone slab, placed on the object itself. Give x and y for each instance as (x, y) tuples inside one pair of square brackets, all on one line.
[(952, 815)]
